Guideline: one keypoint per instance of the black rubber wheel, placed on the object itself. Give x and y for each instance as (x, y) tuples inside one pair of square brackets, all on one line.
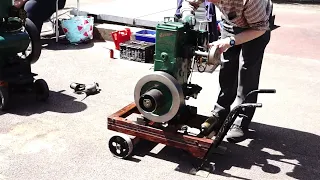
[(41, 90), (120, 146), (36, 46), (4, 98)]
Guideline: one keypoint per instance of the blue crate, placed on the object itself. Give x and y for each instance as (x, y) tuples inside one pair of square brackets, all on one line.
[(146, 36)]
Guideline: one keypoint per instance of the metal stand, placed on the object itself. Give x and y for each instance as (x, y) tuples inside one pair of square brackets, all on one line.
[(57, 23), (57, 15)]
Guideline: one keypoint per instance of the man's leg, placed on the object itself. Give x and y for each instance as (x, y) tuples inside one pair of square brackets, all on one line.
[(228, 80), (252, 56), (211, 16)]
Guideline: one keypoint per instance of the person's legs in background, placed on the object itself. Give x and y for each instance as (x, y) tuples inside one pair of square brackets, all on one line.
[(211, 17), (34, 10), (38, 11), (179, 4)]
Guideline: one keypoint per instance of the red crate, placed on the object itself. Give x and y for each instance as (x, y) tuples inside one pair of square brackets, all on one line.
[(120, 37)]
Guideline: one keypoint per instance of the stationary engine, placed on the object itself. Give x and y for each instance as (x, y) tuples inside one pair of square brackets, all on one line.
[(161, 95), (20, 47), (17, 32)]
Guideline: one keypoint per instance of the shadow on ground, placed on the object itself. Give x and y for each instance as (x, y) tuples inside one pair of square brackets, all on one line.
[(26, 104), (49, 43), (270, 148)]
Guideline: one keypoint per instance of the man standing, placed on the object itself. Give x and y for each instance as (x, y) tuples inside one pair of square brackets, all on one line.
[(244, 37)]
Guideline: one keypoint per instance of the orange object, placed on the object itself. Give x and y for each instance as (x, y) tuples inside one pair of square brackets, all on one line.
[(121, 36), (111, 54)]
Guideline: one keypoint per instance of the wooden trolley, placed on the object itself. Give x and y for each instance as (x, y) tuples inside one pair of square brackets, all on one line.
[(128, 121)]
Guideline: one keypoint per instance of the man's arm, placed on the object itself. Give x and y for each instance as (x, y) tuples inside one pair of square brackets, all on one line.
[(248, 35), (257, 17)]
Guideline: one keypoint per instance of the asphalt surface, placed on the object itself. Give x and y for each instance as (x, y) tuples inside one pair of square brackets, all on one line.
[(67, 137)]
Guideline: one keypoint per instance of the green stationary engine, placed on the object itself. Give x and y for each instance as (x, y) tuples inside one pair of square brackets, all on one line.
[(20, 46), (13, 36), (160, 96)]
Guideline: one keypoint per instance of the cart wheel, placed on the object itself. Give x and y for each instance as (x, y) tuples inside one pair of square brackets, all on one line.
[(121, 146), (4, 98), (41, 89)]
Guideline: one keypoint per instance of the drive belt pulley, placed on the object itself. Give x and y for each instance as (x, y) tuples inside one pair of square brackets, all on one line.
[(158, 96)]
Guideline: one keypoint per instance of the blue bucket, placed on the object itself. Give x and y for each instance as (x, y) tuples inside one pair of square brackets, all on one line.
[(146, 36)]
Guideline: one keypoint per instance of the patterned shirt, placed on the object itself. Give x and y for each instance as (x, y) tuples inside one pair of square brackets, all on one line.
[(243, 13)]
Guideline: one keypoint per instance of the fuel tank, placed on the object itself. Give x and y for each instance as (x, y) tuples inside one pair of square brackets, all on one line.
[(13, 42)]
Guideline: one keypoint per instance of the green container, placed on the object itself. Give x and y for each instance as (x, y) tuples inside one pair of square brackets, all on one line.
[(4, 7)]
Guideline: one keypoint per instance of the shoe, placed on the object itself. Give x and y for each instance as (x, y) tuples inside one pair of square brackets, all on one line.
[(211, 124), (236, 134)]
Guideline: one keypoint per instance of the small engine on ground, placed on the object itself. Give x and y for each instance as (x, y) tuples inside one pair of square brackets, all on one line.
[(161, 95)]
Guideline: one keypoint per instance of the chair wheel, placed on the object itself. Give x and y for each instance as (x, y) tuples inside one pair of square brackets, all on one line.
[(121, 146), (41, 90), (4, 98)]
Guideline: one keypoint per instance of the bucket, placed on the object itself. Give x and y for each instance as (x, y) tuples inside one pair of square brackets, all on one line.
[(78, 29), (120, 37)]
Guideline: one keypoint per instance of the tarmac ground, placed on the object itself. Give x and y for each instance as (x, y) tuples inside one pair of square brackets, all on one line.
[(67, 137)]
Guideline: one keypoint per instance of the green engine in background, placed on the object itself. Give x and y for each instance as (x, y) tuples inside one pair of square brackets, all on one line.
[(13, 43)]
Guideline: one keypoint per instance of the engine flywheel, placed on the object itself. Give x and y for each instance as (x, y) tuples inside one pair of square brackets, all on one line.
[(158, 96)]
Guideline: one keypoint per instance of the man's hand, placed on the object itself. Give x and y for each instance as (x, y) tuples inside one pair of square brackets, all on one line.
[(187, 11), (222, 44), (189, 19)]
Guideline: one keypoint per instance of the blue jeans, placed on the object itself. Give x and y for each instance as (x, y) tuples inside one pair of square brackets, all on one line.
[(210, 16), (38, 11)]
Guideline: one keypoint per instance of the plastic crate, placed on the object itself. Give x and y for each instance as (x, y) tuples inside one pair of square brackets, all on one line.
[(120, 37), (140, 51), (146, 36)]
